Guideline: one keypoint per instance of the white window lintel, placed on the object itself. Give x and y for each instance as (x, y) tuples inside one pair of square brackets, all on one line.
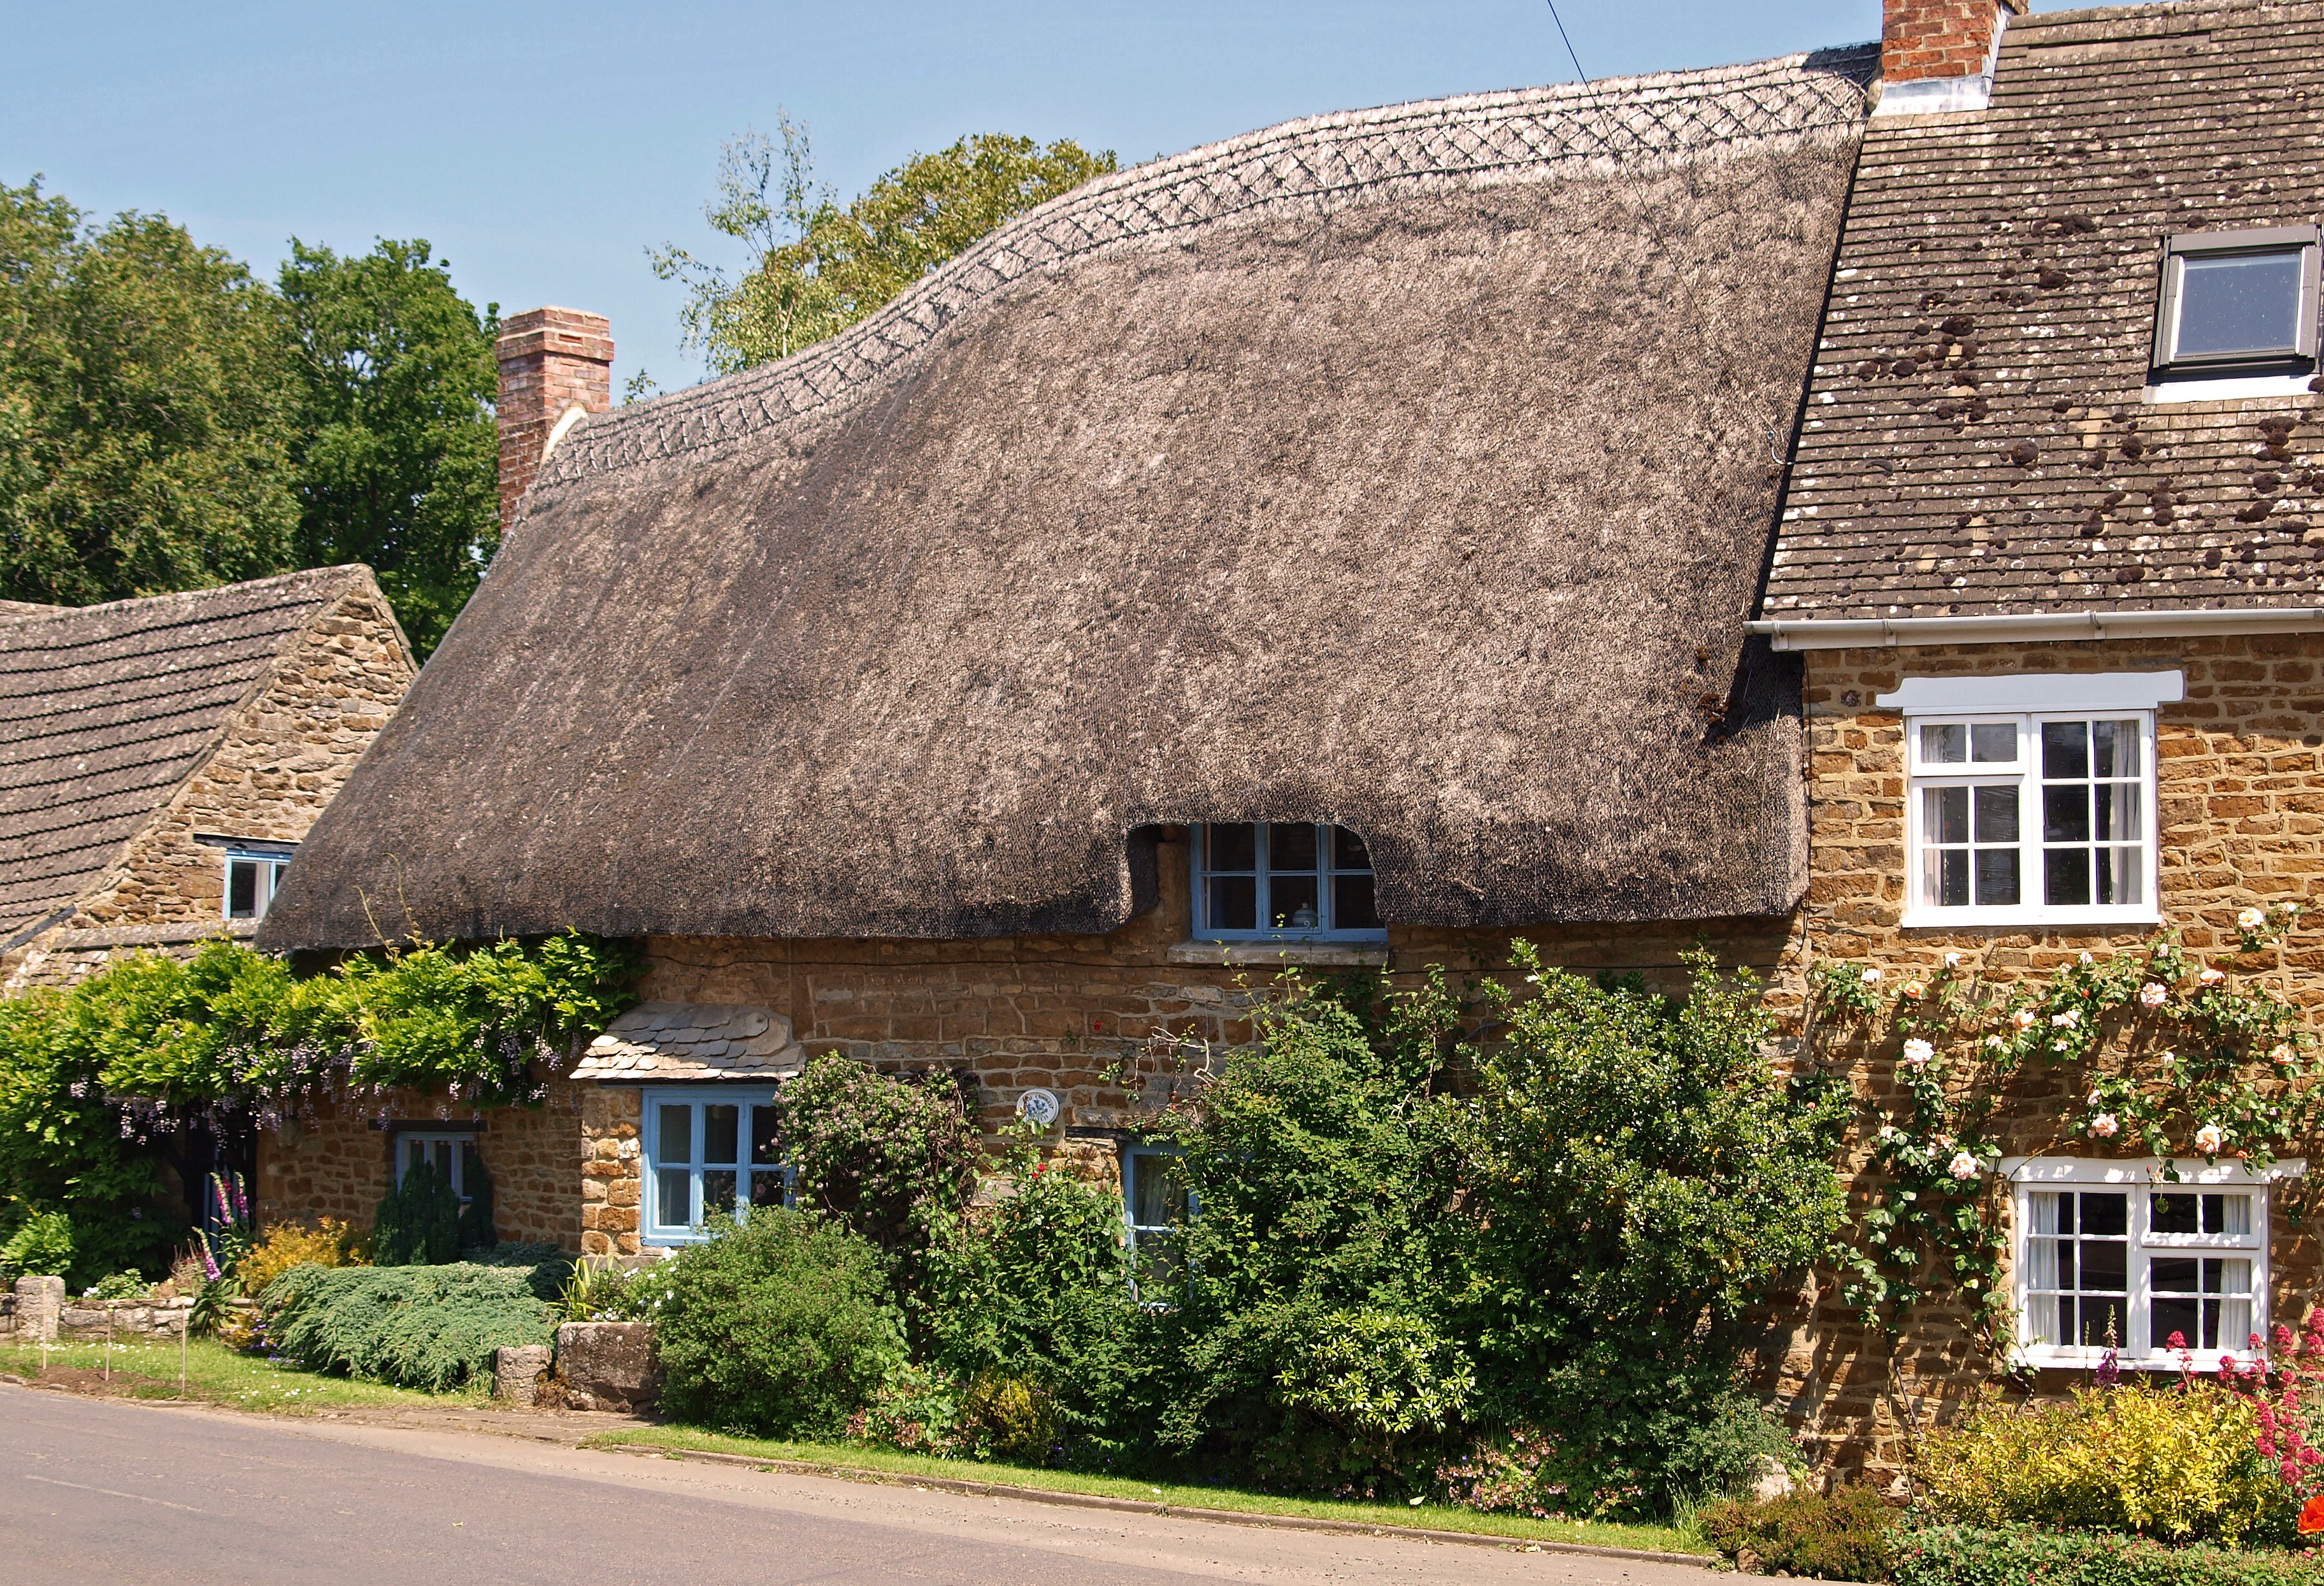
[(2040, 693), (2147, 1170)]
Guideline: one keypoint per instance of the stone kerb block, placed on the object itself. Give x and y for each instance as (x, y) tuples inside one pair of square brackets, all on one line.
[(608, 1365), (517, 1372), (39, 1301)]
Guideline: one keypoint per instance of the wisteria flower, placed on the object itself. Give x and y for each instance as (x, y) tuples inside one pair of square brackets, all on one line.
[(2153, 994), (2251, 920), (2023, 1019), (1872, 975), (1963, 1165), (1919, 1053), (2211, 977), (1912, 991), (2105, 1126), (2210, 1139)]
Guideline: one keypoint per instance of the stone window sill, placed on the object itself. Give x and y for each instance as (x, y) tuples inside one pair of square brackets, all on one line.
[(1256, 955)]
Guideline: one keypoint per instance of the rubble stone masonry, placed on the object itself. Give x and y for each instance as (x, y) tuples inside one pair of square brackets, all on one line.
[(2240, 786)]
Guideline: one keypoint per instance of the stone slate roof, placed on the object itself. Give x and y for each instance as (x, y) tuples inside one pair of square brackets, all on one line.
[(1975, 440), (656, 1042), (105, 710), (1411, 469)]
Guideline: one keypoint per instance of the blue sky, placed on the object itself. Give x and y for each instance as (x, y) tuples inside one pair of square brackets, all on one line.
[(541, 148)]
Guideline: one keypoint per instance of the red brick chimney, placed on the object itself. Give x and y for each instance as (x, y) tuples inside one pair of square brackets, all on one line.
[(555, 365), (1937, 55)]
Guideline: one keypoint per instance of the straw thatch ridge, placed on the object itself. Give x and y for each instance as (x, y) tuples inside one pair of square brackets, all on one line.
[(1525, 134), (1434, 510)]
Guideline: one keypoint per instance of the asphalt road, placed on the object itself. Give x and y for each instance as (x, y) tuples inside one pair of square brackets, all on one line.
[(95, 1490)]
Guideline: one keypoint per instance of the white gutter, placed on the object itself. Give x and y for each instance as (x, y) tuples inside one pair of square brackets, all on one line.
[(2048, 627)]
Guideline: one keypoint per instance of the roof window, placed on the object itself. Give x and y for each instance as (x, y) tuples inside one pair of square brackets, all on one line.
[(2237, 301)]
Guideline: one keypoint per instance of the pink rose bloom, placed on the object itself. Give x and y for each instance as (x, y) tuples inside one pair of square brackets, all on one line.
[(2068, 1019), (1872, 976), (1919, 1053), (2105, 1126), (1963, 1165), (2153, 994), (2023, 1019)]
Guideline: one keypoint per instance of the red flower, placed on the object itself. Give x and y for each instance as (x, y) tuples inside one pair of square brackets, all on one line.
[(2311, 1516)]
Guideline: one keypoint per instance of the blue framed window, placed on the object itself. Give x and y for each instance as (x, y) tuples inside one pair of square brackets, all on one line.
[(1282, 880), (711, 1152), (1155, 1208)]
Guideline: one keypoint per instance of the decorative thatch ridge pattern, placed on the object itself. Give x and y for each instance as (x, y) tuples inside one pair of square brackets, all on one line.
[(1528, 132), (1412, 471)]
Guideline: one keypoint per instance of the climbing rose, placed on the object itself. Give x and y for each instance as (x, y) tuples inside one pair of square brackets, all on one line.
[(1964, 1165), (1912, 991), (2212, 977), (1872, 976), (1919, 1053), (2151, 994), (2105, 1126), (1952, 960), (2068, 1019), (2210, 1139), (2281, 1053), (2023, 1019), (2251, 920)]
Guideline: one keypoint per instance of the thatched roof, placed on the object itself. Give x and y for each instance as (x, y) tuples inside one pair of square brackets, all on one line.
[(1981, 445), (1410, 469), (105, 710)]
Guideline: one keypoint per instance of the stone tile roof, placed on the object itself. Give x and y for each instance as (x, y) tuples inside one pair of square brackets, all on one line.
[(1975, 440), (105, 710), (657, 1041)]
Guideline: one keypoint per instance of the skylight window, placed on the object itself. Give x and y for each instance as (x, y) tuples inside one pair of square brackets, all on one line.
[(2237, 300)]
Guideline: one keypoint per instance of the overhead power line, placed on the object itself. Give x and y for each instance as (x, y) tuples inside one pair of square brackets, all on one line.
[(1569, 42)]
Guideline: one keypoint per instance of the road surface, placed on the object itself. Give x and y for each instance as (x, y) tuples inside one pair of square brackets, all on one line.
[(94, 1489)]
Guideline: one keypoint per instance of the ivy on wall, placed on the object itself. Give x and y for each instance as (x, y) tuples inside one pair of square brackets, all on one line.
[(2171, 1057)]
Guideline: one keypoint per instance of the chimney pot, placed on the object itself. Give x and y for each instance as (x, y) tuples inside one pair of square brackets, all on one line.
[(554, 363)]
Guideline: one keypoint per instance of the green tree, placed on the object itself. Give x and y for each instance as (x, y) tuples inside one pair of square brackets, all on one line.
[(818, 268), (144, 408), (394, 446)]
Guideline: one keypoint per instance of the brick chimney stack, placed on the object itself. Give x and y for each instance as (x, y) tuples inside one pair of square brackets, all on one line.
[(1937, 55), (556, 365)]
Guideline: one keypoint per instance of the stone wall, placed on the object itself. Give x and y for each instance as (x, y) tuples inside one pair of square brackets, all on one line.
[(2240, 786), (337, 1162), (283, 756)]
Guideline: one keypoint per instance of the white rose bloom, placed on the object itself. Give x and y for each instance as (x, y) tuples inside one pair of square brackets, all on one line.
[(1919, 1053), (2251, 920), (2210, 1139), (1872, 976)]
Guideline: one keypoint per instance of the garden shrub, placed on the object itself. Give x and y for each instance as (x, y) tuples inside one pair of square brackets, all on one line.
[(895, 1159), (1971, 1555), (42, 1246), (2180, 1463), (1850, 1535), (779, 1327), (427, 1327), (118, 1286), (329, 1243), (1582, 1212), (418, 1223)]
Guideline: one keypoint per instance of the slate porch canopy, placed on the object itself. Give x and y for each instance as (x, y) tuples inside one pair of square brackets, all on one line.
[(1412, 469)]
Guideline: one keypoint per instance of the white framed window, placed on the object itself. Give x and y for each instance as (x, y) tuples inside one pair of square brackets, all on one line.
[(250, 878), (1282, 880), (2236, 301), (2113, 1255), (710, 1152), (1154, 1207), (453, 1154), (2030, 799)]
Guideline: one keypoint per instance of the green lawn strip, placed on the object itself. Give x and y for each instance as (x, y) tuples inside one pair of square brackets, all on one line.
[(1433, 1517), (218, 1375)]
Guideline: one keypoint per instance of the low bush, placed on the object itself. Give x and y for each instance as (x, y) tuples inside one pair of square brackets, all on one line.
[(1850, 1535), (329, 1243), (779, 1327), (42, 1246), (428, 1327), (1970, 1556), (2180, 1463), (417, 1222), (118, 1286)]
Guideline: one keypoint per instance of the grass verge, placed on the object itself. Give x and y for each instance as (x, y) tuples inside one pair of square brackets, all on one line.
[(843, 1457), (214, 1374)]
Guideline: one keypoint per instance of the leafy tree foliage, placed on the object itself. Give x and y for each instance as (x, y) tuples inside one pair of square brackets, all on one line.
[(168, 422), (145, 414), (819, 268), (395, 449)]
